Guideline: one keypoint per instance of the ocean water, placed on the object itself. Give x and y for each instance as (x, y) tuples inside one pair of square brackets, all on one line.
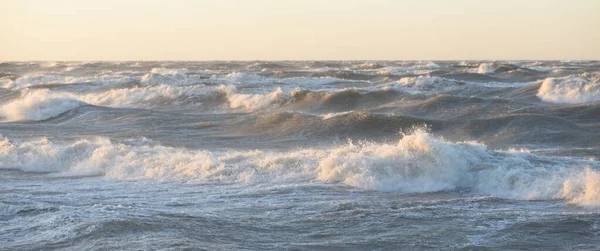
[(308, 155)]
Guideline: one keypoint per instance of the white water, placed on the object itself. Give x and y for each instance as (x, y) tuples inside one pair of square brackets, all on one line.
[(418, 163), (571, 90), (243, 155)]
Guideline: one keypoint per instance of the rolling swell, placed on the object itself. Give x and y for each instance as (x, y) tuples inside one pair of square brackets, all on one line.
[(343, 100), (456, 107), (517, 129), (350, 124), (302, 99)]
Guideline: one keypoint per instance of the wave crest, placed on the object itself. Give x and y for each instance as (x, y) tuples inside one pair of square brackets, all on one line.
[(39, 105), (147, 95), (570, 90), (417, 163)]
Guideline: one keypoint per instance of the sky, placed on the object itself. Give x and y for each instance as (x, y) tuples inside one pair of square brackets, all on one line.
[(299, 30)]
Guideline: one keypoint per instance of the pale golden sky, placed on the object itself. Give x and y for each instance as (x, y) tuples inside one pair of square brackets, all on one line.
[(298, 29)]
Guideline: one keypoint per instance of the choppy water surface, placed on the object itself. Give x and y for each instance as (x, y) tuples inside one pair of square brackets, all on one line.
[(300, 155)]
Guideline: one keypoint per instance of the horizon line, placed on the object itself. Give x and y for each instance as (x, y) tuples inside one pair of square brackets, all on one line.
[(291, 60)]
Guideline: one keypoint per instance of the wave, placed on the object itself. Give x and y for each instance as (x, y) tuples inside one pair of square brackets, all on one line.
[(43, 104), (297, 98), (38, 105), (253, 102), (417, 163), (185, 77), (144, 96), (452, 107), (470, 77), (583, 112), (370, 65), (486, 68), (173, 77), (569, 90), (344, 124), (342, 76), (425, 83), (266, 65), (54, 78)]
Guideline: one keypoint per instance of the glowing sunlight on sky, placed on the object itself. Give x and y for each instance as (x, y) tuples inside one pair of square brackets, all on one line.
[(298, 29)]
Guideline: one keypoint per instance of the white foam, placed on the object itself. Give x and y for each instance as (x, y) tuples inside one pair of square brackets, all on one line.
[(404, 70), (248, 78), (38, 105), (369, 65), (6, 82), (423, 83), (312, 83), (49, 64), (251, 102), (417, 163), (185, 77), (335, 114), (432, 65), (143, 96), (257, 101), (242, 78), (570, 90), (583, 189), (169, 76), (485, 68), (42, 104)]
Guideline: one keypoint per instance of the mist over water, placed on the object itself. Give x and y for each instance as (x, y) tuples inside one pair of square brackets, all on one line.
[(306, 155)]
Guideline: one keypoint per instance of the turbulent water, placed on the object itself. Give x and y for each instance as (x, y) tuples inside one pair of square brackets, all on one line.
[(333, 155)]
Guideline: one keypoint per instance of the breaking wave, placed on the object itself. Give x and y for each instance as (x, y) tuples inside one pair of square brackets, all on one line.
[(570, 90), (38, 105), (43, 104), (148, 95), (485, 68), (425, 83), (299, 98), (417, 163)]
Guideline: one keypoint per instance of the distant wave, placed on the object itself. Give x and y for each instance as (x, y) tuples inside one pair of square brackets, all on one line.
[(304, 99), (417, 163), (149, 96), (485, 68), (161, 76), (420, 68), (54, 78), (41, 104), (425, 83), (570, 90)]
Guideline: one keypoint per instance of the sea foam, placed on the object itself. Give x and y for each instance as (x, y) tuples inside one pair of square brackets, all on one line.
[(38, 105), (485, 68), (570, 90)]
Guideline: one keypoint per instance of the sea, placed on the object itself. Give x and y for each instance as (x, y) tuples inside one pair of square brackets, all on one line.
[(300, 155)]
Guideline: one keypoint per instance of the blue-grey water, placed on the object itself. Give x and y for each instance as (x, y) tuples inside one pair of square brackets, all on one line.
[(308, 155)]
